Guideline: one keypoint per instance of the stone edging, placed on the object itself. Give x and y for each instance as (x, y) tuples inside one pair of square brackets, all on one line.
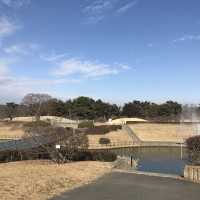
[(150, 174)]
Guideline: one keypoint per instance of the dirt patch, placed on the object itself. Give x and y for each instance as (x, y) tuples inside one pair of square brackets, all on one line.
[(40, 180)]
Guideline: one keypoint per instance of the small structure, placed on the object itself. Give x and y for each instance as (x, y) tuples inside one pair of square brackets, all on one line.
[(192, 173), (121, 121)]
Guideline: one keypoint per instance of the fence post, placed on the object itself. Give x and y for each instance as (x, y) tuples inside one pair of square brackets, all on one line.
[(131, 161)]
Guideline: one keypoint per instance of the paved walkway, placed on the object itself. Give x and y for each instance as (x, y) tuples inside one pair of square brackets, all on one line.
[(125, 186)]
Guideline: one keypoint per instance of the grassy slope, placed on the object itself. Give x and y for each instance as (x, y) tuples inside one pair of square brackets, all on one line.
[(40, 180), (162, 132), (11, 130), (119, 136)]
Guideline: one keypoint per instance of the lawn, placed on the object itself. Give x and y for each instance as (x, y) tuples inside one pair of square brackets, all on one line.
[(11, 130), (168, 132), (116, 137), (41, 180)]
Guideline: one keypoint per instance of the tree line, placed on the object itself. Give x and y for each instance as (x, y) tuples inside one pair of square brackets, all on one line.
[(87, 108)]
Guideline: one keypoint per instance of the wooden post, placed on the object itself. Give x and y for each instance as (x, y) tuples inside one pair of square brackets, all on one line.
[(181, 151), (131, 161)]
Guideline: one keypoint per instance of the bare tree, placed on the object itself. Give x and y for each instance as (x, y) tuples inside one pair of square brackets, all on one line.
[(46, 138), (35, 102)]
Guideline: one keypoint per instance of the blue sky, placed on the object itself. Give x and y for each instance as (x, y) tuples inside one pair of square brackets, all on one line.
[(110, 49)]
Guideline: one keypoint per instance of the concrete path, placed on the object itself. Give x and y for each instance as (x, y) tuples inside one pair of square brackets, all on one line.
[(125, 186)]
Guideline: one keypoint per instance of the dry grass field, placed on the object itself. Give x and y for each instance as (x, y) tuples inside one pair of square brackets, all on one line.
[(11, 130), (163, 132), (41, 180), (119, 137)]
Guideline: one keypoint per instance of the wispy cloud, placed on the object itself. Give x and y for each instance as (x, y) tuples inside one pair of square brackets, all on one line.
[(95, 11), (126, 7), (15, 3), (4, 70), (7, 27), (21, 49), (98, 6), (53, 57), (188, 38), (87, 69), (13, 87), (94, 19), (98, 10)]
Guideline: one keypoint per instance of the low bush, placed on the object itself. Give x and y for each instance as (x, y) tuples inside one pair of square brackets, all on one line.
[(193, 146), (37, 124), (104, 156), (95, 156), (102, 130), (104, 141), (86, 124)]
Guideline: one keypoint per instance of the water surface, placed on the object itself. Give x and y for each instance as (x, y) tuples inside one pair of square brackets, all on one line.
[(168, 160)]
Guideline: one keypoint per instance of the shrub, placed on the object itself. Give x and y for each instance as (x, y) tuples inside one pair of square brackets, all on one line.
[(104, 141), (102, 130), (37, 124), (104, 156), (95, 156), (86, 124), (193, 146)]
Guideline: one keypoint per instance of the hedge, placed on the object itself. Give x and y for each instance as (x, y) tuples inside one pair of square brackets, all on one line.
[(86, 124), (102, 130), (104, 141)]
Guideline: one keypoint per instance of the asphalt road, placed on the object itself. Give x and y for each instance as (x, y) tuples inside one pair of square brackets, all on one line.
[(125, 186)]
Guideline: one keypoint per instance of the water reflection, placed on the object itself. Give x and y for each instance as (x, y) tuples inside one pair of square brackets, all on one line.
[(157, 159)]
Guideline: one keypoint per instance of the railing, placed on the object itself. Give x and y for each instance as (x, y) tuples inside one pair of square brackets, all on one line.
[(113, 145), (125, 144), (131, 133)]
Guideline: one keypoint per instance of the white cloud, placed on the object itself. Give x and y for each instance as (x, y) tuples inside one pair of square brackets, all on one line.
[(94, 19), (15, 49), (15, 3), (87, 68), (126, 7), (188, 38), (97, 10), (3, 68), (13, 88), (52, 57), (98, 6), (125, 67), (22, 49), (7, 27)]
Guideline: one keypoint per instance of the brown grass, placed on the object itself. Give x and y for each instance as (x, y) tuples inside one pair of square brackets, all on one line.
[(11, 130), (119, 137), (40, 180), (163, 132)]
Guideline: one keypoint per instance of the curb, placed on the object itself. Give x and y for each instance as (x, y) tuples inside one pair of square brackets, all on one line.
[(150, 174)]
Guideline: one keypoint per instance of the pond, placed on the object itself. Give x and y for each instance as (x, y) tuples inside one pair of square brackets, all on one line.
[(167, 160)]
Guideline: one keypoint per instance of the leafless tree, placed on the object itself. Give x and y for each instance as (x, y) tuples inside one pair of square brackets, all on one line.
[(70, 141), (35, 102)]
